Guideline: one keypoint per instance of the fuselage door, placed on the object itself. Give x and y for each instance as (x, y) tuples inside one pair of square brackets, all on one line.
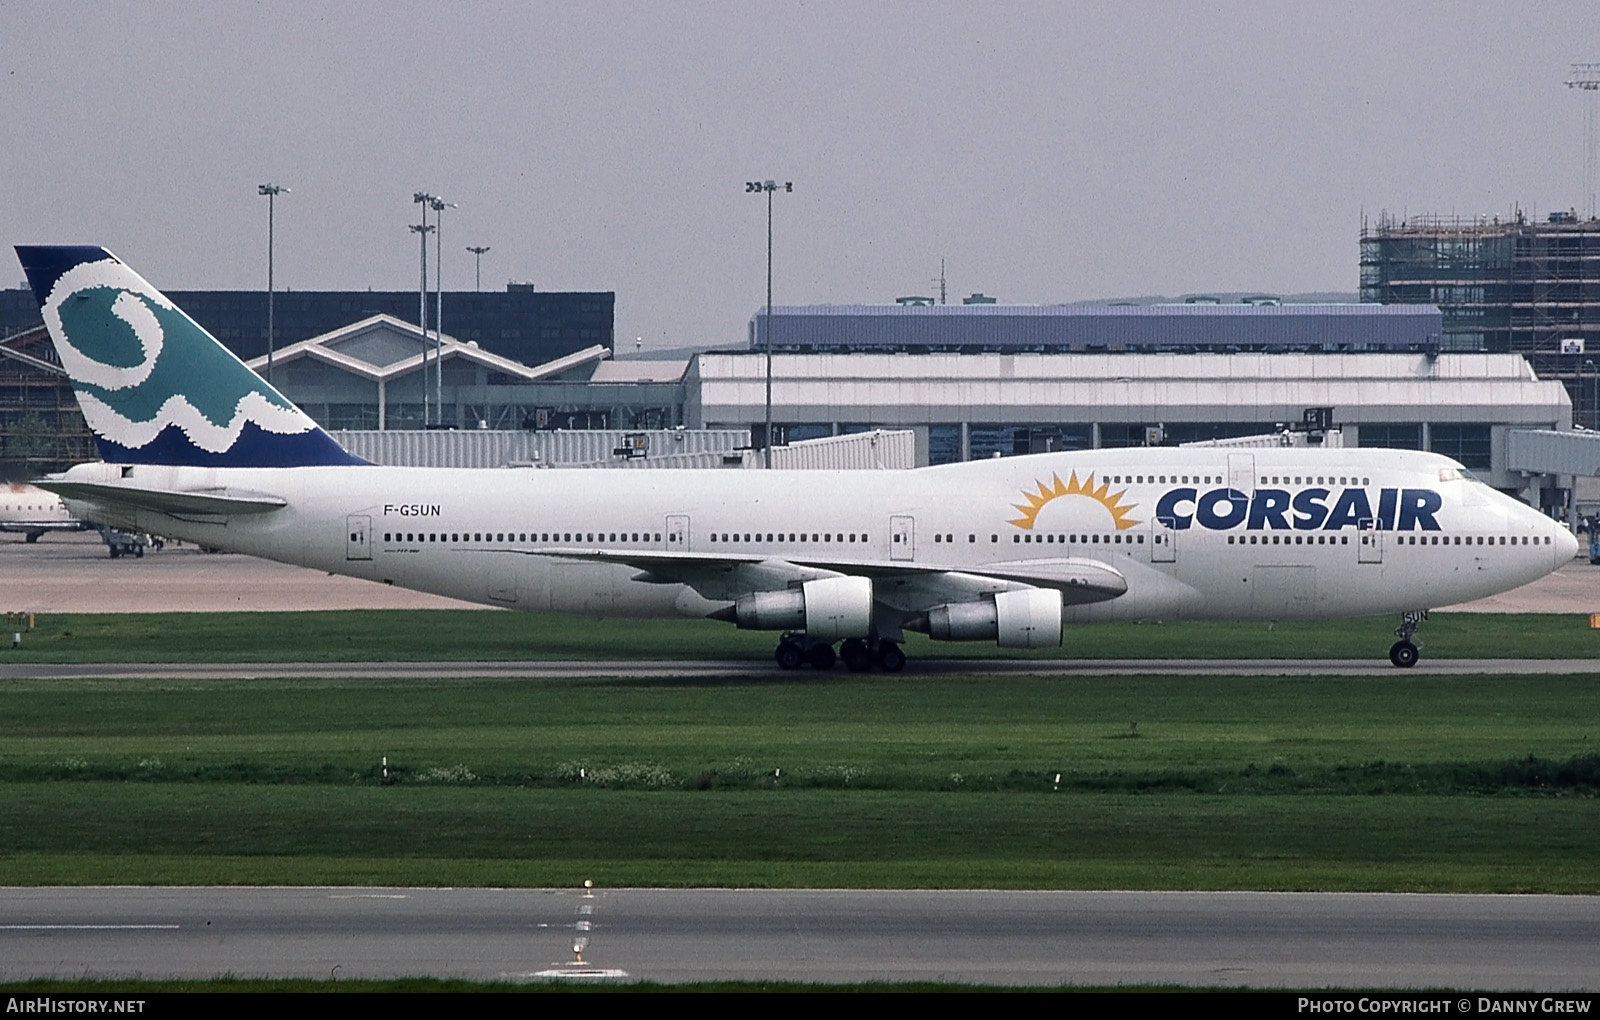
[(358, 537), (1370, 547), (1242, 472), (1163, 543), (902, 536), (677, 533)]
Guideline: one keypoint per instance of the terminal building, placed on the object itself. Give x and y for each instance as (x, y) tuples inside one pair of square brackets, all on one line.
[(969, 406)]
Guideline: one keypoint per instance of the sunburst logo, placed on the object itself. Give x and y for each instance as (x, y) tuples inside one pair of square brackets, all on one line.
[(1056, 489)]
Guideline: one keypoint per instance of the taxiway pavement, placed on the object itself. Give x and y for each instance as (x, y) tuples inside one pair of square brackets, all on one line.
[(1267, 940)]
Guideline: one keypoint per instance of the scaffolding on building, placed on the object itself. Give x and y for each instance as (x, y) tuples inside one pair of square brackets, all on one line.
[(41, 427), (1515, 284)]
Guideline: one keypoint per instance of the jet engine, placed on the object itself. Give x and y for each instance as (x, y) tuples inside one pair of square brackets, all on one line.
[(827, 609), (1030, 618)]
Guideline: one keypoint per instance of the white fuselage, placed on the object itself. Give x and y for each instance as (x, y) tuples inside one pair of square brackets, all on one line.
[(34, 511), (1198, 533)]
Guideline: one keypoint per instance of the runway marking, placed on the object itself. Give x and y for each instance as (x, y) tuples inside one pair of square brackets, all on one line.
[(368, 896), (88, 927)]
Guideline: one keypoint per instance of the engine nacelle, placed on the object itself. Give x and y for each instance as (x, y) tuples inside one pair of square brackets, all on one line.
[(1015, 619), (1030, 618), (826, 609)]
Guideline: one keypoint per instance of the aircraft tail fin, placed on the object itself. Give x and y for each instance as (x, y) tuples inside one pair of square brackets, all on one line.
[(154, 386)]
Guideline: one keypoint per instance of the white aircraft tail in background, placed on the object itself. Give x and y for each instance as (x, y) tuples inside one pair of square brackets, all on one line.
[(198, 447)]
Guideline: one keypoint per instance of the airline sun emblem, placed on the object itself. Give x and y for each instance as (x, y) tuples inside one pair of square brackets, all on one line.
[(1086, 490)]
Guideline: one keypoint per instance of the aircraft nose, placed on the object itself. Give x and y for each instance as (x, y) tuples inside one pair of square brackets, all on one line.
[(1566, 546)]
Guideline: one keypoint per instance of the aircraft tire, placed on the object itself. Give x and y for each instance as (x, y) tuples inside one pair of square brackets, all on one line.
[(1404, 654), (890, 658), (821, 656), (788, 655), (855, 655)]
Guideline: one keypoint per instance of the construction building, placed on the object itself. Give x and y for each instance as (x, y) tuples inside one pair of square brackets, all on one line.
[(1516, 285), (41, 428)]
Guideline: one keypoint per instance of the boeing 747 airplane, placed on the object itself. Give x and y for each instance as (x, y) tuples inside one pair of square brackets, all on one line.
[(198, 447)]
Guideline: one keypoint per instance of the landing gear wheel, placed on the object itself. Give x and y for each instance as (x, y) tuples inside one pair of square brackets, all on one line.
[(788, 654), (1404, 654), (821, 656), (890, 658), (855, 655)]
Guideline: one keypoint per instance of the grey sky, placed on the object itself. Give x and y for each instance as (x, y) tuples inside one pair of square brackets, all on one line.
[(1048, 151)]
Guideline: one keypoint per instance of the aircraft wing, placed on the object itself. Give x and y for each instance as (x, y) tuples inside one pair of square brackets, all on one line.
[(912, 587)]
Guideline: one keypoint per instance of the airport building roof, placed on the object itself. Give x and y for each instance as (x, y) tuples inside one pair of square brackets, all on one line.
[(1100, 327)]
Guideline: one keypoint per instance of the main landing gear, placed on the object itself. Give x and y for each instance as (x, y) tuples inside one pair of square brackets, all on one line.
[(799, 649), (1403, 653)]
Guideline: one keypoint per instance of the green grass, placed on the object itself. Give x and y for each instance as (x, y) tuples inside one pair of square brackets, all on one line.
[(103, 834), (451, 635), (1420, 783), (870, 731)]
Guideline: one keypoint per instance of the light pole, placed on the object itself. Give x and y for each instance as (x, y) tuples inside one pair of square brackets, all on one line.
[(423, 199), (421, 230), (1586, 78), (272, 191), (439, 206), (752, 188), (477, 276)]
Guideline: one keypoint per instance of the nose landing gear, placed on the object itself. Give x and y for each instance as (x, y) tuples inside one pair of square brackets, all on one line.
[(1404, 653)]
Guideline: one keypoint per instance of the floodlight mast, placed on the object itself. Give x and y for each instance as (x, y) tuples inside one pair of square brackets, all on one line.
[(423, 199), (1586, 78), (751, 188), (271, 191), (421, 230), (477, 272), (439, 206)]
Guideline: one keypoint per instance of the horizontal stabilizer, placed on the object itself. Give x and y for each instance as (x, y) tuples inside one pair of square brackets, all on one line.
[(167, 501)]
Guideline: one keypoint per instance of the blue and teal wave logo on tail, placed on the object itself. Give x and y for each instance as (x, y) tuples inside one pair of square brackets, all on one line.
[(154, 387)]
